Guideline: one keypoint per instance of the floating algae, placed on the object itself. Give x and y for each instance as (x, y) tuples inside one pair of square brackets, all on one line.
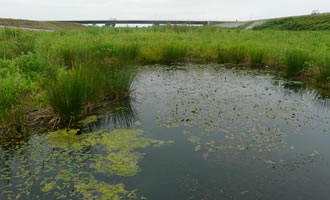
[(102, 191), (120, 158), (88, 120), (68, 139), (73, 160)]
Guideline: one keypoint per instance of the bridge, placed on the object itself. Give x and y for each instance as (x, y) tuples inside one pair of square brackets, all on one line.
[(153, 22)]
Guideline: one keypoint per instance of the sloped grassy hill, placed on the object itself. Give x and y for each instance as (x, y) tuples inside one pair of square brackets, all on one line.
[(308, 22), (40, 24)]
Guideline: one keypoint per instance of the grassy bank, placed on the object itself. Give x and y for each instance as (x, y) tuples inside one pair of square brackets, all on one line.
[(40, 24), (309, 22), (47, 78)]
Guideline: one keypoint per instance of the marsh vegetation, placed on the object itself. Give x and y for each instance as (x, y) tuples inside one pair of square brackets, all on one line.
[(66, 74)]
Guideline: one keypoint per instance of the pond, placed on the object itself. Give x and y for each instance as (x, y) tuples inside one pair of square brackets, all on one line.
[(188, 132)]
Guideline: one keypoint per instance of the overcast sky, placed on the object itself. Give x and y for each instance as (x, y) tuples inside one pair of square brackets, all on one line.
[(158, 9)]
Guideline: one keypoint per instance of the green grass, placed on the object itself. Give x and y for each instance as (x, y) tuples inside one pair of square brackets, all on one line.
[(310, 22)]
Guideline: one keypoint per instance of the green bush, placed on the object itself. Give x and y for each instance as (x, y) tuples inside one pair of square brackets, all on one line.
[(30, 65), (10, 88)]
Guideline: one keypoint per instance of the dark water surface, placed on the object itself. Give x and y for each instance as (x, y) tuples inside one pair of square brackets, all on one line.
[(204, 132)]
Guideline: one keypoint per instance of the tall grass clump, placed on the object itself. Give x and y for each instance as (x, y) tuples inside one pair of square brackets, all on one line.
[(234, 54), (296, 61), (8, 33), (7, 95), (128, 51), (117, 81), (172, 53), (223, 55), (238, 54), (257, 57), (70, 91), (325, 70), (72, 51)]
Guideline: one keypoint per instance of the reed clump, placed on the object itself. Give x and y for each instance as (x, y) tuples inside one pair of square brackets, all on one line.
[(257, 57), (325, 70), (69, 91), (296, 61), (171, 53)]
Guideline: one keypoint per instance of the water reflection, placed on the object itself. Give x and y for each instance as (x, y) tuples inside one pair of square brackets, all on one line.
[(296, 88), (120, 115)]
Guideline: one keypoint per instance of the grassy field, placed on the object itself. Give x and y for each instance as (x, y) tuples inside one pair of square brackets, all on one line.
[(58, 77), (40, 24), (308, 22)]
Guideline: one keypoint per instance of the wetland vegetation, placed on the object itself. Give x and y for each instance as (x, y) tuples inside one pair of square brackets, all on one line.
[(142, 122)]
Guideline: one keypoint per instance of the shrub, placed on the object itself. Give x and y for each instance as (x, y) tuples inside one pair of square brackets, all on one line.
[(10, 87), (30, 65), (296, 61)]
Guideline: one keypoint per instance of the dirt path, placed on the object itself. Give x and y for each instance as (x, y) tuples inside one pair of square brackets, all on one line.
[(238, 24), (231, 24), (254, 24)]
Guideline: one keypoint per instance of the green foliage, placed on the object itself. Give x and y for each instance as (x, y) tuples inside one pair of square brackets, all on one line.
[(311, 22), (296, 61), (10, 88), (31, 65)]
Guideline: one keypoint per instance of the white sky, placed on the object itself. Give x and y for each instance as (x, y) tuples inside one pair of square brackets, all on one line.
[(158, 9)]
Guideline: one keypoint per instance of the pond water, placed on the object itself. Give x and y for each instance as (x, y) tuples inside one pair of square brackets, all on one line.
[(188, 132)]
